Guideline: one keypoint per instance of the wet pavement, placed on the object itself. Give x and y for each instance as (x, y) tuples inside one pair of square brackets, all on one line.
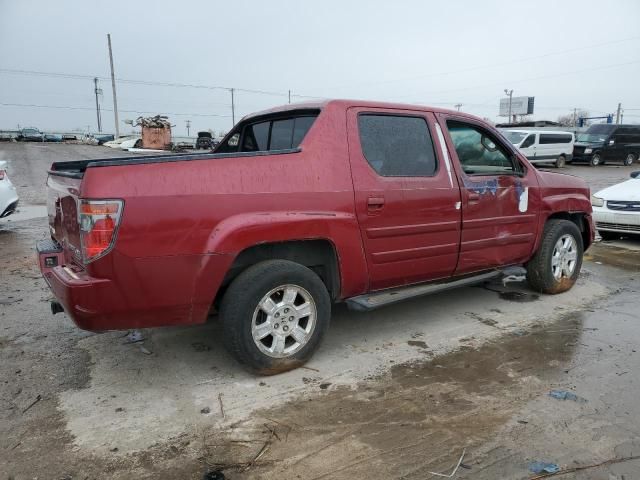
[(395, 393)]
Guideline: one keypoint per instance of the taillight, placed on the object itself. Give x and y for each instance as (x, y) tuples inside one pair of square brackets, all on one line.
[(99, 220)]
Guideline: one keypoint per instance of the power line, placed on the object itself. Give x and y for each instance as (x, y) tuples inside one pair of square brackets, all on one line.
[(491, 65), (66, 107)]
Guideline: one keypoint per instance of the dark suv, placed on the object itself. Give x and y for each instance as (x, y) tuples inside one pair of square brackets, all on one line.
[(608, 143)]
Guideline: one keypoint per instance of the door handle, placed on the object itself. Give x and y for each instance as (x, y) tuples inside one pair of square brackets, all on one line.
[(473, 197), (375, 203)]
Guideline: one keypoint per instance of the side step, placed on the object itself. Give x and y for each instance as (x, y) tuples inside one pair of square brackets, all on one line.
[(375, 300)]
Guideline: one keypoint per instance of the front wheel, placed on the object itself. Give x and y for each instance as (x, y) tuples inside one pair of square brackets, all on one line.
[(556, 265), (596, 160), (561, 161), (274, 316), (629, 159)]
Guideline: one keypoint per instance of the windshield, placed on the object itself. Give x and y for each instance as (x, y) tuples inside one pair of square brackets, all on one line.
[(591, 137), (514, 137)]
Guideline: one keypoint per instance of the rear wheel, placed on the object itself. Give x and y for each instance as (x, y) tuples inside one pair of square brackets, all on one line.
[(561, 161), (629, 159), (596, 160), (556, 265), (608, 235), (274, 316)]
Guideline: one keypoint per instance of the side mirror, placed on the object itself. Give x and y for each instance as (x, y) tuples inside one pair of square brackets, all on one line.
[(488, 144), (635, 174)]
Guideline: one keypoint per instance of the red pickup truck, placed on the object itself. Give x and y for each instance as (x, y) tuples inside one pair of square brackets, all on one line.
[(300, 207)]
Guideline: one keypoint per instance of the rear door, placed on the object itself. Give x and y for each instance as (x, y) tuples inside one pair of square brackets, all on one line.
[(500, 197), (407, 198)]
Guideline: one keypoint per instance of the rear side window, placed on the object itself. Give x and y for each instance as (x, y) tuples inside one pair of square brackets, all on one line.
[(277, 133), (547, 138), (397, 146)]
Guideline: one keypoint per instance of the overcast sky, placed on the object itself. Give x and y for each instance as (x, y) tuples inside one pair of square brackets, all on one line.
[(567, 54)]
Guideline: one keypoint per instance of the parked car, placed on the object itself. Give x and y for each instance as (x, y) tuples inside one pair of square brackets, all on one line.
[(605, 142), (52, 137), (543, 146), (300, 207), (616, 209), (117, 143), (135, 142), (103, 138), (30, 134), (8, 194), (204, 141)]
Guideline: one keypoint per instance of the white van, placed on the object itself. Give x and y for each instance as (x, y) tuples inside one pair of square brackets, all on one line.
[(543, 146)]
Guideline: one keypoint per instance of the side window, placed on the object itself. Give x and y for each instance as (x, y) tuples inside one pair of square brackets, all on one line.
[(550, 138), (397, 146), (281, 134), (256, 137), (529, 141), (478, 151)]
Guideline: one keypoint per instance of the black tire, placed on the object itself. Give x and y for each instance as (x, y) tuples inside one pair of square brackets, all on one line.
[(561, 161), (241, 301), (539, 268), (609, 235), (596, 159), (629, 159)]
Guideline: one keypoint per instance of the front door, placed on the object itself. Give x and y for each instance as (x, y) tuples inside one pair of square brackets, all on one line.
[(500, 198), (407, 197)]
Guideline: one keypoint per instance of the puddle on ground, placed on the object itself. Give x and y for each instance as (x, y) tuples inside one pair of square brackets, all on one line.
[(409, 421), (611, 255)]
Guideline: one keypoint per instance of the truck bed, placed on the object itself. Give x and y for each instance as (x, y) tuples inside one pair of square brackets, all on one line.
[(76, 168)]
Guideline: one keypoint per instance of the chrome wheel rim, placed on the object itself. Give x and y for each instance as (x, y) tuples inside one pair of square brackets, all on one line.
[(629, 160), (284, 321), (595, 160), (565, 257)]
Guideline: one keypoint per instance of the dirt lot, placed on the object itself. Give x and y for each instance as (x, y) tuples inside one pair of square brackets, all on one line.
[(396, 393)]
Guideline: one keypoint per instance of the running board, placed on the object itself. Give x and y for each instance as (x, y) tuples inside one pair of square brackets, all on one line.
[(375, 300)]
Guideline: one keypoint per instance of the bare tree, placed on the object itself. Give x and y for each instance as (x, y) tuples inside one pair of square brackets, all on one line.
[(569, 119)]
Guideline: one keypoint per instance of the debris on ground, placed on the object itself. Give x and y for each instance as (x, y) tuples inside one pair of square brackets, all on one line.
[(205, 410), (455, 469), (566, 395), (585, 467), (134, 336), (144, 350), (543, 467), (38, 398), (221, 406)]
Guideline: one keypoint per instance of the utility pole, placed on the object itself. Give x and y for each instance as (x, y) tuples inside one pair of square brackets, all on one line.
[(188, 122), (509, 93), (289, 96), (113, 85), (233, 108), (98, 91), (618, 113), (458, 106), (575, 116)]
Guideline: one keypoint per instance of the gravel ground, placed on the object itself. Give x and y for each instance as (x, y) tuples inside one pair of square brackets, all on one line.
[(395, 393)]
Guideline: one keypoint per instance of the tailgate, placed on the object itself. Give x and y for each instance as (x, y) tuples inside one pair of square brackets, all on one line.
[(62, 210)]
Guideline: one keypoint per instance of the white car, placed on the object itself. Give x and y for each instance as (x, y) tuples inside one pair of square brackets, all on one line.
[(616, 209), (131, 143), (117, 143), (8, 195)]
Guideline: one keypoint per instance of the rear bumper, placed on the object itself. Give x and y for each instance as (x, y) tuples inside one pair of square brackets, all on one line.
[(99, 304)]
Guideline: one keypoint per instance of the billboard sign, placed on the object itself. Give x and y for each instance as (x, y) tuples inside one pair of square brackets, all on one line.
[(519, 106)]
